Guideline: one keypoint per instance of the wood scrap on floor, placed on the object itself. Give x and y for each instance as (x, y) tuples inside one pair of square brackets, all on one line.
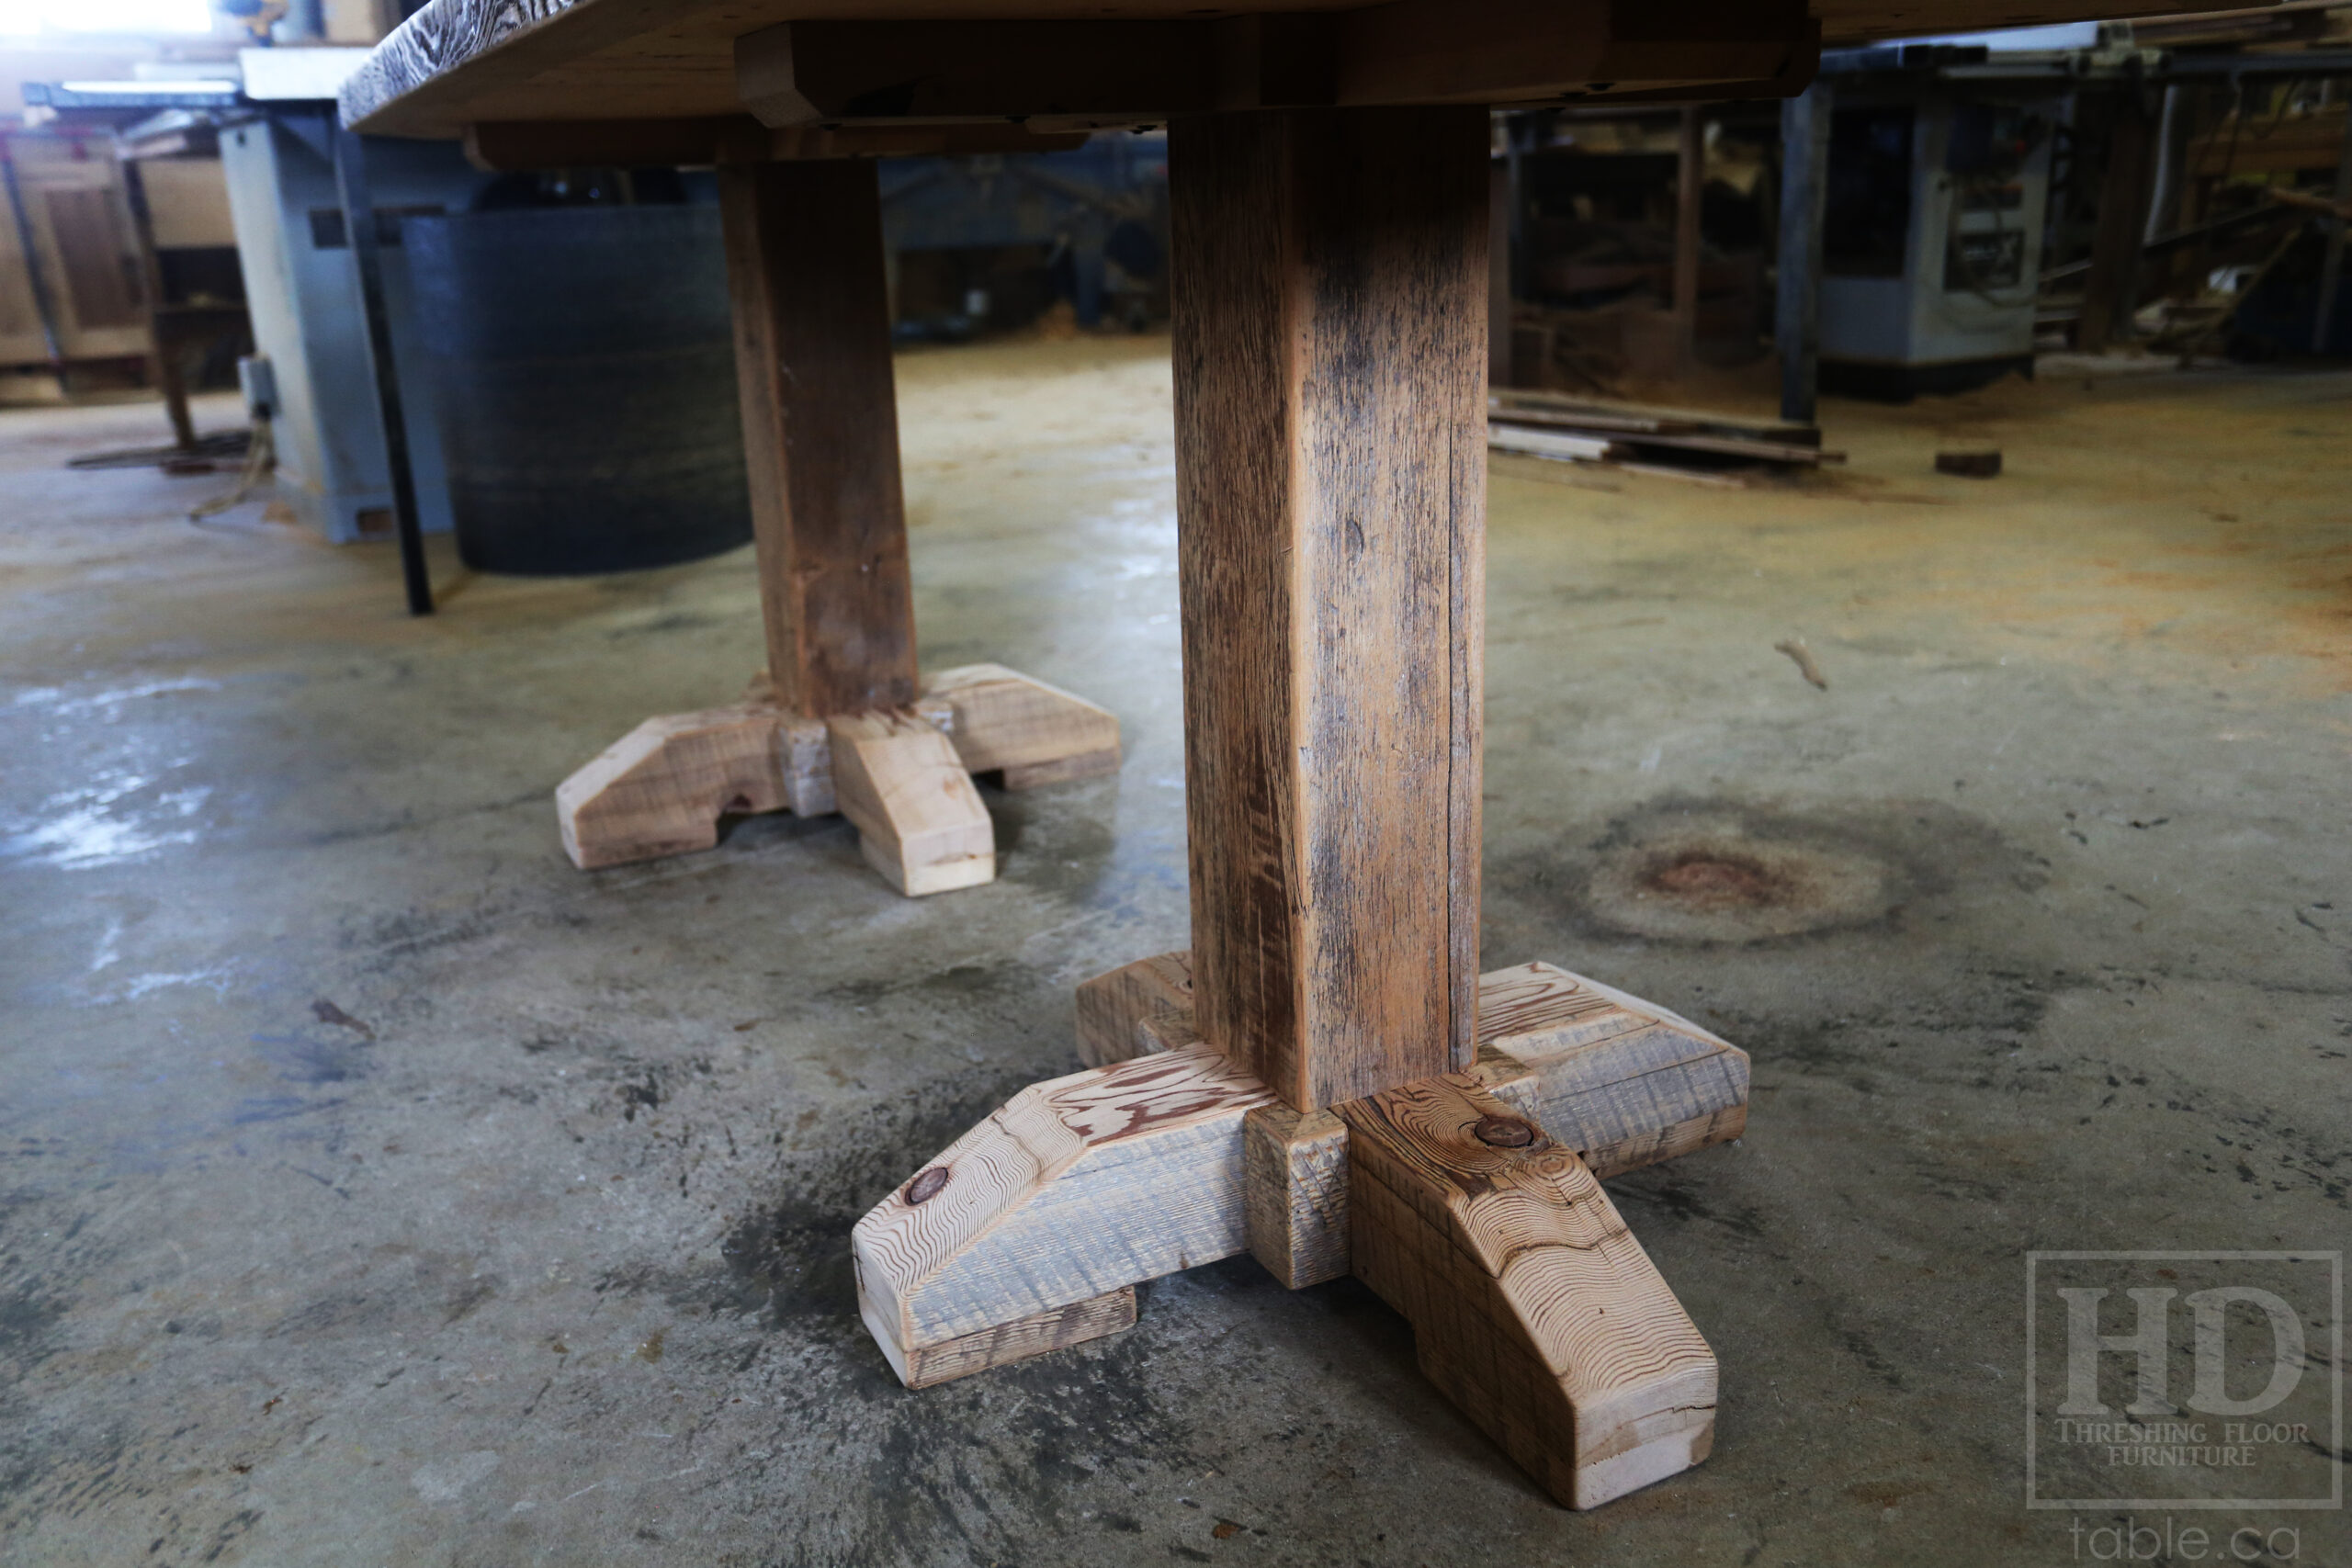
[(1803, 656), (1710, 448)]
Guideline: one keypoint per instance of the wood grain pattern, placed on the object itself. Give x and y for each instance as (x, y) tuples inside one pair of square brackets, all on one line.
[(1532, 1306), (1535, 1010), (729, 138), (1112, 1005), (1623, 1081), (920, 821), (1328, 274), (1002, 720), (1075, 1188), (1058, 1329), (1295, 1168), (1061, 770), (821, 432), (456, 62), (662, 788)]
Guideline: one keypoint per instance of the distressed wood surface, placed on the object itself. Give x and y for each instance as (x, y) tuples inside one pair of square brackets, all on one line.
[(1061, 770), (1111, 1006), (1532, 1306), (1623, 1081), (662, 788), (1037, 1334), (1295, 1168), (1538, 1009), (1004, 721), (457, 62), (919, 820), (1075, 1188), (1168, 1032), (729, 138), (821, 432), (1329, 273)]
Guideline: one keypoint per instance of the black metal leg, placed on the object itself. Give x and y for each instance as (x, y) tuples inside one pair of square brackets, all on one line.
[(360, 227), (1804, 177)]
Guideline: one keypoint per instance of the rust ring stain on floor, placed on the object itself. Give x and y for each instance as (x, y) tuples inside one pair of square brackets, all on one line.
[(1726, 879)]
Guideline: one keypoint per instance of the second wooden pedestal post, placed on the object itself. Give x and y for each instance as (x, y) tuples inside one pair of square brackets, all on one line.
[(841, 719), (821, 432)]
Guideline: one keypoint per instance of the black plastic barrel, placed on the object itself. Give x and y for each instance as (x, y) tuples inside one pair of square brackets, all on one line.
[(585, 374)]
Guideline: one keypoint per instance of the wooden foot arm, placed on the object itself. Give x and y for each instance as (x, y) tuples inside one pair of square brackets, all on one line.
[(662, 788), (1005, 722), (1532, 1306), (1111, 1008), (1076, 1190), (1623, 1081), (1460, 1199), (920, 821)]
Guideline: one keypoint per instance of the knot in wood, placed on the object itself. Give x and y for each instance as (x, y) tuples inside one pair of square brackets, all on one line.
[(927, 1185), (1502, 1132)]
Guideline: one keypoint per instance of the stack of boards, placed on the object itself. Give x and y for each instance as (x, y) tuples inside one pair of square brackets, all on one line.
[(1711, 448)]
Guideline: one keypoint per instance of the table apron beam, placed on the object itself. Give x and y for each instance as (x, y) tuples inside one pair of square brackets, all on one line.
[(1409, 53)]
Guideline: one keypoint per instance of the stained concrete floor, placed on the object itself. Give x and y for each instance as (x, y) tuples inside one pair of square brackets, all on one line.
[(377, 1189)]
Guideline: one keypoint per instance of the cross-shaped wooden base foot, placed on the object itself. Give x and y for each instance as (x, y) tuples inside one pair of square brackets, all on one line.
[(1469, 1201), (903, 777)]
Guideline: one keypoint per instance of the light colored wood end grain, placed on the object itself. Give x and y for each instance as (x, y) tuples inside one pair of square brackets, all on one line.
[(1002, 719), (1532, 1306), (1297, 1167), (662, 788), (1074, 1188), (919, 820), (1113, 1007)]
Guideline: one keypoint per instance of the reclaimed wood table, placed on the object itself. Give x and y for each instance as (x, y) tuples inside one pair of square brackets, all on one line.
[(1324, 1079)]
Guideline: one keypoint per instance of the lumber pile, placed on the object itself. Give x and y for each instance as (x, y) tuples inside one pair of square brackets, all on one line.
[(1679, 442)]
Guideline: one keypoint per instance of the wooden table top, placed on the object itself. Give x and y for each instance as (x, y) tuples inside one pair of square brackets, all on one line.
[(458, 62)]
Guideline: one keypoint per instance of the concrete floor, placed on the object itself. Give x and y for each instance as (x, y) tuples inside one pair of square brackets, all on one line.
[(377, 1189)]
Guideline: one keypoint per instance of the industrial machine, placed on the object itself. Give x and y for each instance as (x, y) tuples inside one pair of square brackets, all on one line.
[(304, 291), (1932, 235)]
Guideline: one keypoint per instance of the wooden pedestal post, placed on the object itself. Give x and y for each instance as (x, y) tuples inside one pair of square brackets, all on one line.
[(821, 440), (1312, 1082), (821, 432), (1328, 272)]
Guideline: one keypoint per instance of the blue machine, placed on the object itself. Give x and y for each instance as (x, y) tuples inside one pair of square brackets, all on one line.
[(306, 311)]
